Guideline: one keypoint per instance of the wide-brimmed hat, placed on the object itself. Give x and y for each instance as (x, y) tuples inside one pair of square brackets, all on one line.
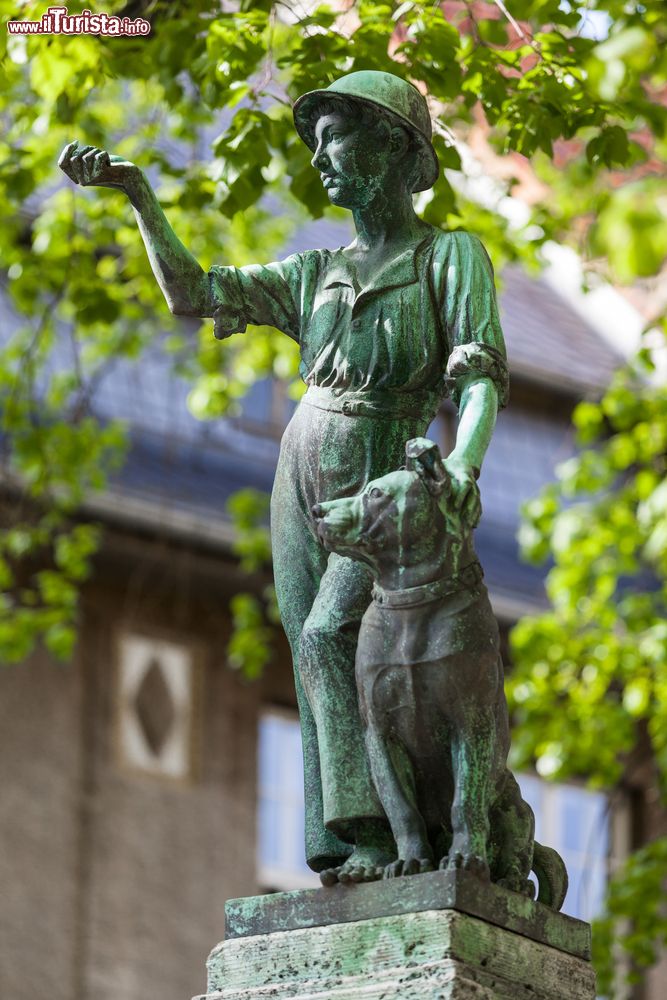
[(380, 90)]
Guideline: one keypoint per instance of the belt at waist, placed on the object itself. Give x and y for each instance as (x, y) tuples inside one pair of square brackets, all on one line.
[(374, 402)]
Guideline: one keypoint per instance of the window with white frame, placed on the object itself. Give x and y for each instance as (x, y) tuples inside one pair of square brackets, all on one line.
[(576, 822), (569, 818), (280, 821)]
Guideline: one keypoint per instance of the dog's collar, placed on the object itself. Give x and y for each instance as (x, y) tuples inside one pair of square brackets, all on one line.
[(410, 597)]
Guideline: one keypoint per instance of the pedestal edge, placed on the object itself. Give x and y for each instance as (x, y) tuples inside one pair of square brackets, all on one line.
[(442, 890)]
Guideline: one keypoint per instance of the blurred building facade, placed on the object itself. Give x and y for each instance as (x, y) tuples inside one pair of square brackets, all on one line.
[(145, 782)]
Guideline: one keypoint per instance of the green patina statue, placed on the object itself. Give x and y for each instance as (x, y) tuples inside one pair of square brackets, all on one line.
[(430, 682), (387, 327)]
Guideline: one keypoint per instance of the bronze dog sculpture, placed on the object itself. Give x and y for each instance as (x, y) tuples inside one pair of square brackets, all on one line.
[(430, 683)]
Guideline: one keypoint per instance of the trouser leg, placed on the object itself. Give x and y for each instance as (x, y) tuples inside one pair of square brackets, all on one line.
[(326, 665), (299, 562)]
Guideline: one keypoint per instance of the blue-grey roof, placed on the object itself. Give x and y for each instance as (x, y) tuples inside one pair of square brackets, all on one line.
[(177, 488), (180, 471), (547, 341)]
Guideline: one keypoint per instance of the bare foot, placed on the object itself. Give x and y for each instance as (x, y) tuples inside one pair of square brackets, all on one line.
[(365, 864), (408, 866)]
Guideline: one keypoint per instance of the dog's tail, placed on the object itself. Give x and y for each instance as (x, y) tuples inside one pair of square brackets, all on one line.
[(551, 876)]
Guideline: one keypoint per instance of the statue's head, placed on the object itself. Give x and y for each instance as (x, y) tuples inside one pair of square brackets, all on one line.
[(369, 131)]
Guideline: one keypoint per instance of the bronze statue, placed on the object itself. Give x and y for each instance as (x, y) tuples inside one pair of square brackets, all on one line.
[(430, 682), (387, 327)]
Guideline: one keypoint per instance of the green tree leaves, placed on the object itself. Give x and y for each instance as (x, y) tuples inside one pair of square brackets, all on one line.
[(590, 674), (250, 647), (536, 83), (636, 898), (631, 229)]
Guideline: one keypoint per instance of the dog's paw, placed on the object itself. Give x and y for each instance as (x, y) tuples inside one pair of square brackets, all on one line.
[(524, 886), (516, 882), (457, 860), (409, 866)]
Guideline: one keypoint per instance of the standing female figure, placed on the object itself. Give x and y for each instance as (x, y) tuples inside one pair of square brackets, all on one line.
[(387, 327)]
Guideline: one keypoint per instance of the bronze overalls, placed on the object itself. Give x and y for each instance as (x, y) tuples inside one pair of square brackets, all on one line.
[(377, 362)]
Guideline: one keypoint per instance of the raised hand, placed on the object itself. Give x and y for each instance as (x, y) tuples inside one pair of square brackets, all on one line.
[(88, 165), (184, 283)]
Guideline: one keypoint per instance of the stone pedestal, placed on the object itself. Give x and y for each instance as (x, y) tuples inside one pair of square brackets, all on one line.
[(444, 948)]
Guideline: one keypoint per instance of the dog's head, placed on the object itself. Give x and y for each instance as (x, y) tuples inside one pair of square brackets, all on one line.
[(398, 517)]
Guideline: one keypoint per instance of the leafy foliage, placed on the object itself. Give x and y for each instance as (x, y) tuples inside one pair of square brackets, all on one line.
[(74, 265), (203, 104), (636, 898), (250, 648), (591, 673)]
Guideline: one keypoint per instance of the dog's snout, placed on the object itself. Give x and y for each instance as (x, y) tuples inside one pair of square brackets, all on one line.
[(318, 511)]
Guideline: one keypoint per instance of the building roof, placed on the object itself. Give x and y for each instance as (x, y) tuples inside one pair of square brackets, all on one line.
[(183, 491), (180, 471), (548, 342)]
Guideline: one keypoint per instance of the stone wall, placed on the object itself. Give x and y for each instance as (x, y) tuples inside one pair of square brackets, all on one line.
[(40, 828), (113, 881)]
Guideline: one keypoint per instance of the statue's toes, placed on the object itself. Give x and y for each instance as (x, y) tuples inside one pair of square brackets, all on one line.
[(372, 873), (394, 869), (508, 883), (416, 866), (329, 876), (347, 874), (356, 874), (469, 862)]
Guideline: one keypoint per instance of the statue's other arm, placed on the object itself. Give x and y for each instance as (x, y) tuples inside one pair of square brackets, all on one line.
[(478, 409), (183, 281), (476, 376)]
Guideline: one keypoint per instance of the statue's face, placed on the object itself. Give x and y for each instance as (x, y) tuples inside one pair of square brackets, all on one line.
[(354, 163)]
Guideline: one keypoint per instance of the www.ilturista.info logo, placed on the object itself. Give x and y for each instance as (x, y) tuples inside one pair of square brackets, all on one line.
[(58, 21)]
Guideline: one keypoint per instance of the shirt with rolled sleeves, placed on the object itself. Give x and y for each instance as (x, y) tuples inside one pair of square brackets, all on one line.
[(425, 323), (377, 360)]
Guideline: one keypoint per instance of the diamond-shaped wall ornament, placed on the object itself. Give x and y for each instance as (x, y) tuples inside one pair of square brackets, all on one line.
[(154, 707), (156, 704)]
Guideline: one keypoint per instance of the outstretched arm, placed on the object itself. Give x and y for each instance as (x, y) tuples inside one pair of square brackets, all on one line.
[(183, 281), (478, 409)]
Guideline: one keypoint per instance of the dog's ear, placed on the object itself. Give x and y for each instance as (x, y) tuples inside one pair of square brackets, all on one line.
[(424, 458)]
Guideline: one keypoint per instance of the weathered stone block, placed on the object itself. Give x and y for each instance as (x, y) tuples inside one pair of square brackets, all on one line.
[(433, 955), (441, 953), (442, 890)]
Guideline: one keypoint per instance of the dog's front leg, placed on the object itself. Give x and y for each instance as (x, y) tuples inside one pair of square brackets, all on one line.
[(475, 767), (394, 780)]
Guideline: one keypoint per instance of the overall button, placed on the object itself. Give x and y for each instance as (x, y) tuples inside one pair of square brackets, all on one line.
[(348, 407)]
